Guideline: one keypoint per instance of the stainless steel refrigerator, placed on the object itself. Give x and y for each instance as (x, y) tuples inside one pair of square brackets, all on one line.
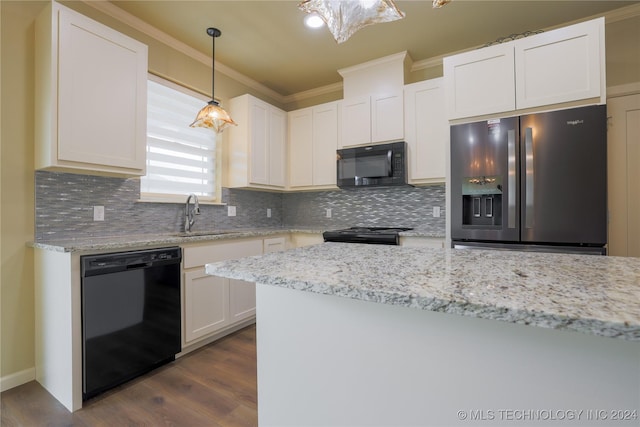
[(534, 182)]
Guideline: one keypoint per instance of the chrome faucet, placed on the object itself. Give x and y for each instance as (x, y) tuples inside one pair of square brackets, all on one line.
[(188, 214)]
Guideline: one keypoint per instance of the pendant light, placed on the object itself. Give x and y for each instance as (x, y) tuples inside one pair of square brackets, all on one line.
[(212, 115)]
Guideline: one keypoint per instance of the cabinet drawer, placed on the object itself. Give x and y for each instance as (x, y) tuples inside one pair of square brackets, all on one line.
[(194, 256), (275, 244)]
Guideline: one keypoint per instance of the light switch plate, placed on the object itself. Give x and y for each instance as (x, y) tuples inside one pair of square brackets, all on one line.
[(231, 211), (98, 213), (328, 212), (436, 211), (268, 212)]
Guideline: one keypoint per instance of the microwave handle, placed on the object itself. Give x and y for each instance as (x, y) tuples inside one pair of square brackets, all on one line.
[(389, 163)]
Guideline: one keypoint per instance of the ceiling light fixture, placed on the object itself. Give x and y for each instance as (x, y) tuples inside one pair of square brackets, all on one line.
[(344, 18), (212, 115), (313, 20)]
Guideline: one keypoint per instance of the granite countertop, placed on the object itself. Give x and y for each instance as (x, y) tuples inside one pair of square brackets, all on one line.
[(591, 294), (88, 244)]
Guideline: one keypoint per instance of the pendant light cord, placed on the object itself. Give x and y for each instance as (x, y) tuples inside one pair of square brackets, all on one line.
[(213, 32)]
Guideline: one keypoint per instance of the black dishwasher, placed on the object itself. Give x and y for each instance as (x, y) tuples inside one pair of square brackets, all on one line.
[(130, 315)]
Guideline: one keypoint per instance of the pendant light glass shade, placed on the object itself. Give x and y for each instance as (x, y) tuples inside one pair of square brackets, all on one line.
[(344, 18), (213, 116)]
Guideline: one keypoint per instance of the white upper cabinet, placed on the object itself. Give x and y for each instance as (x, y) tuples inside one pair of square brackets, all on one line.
[(480, 82), (372, 119), (313, 141), (257, 145), (91, 96), (426, 131), (563, 65), (356, 121), (301, 147), (566, 65), (372, 108), (325, 143)]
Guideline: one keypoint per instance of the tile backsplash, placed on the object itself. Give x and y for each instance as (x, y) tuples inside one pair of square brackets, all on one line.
[(64, 208), (375, 207)]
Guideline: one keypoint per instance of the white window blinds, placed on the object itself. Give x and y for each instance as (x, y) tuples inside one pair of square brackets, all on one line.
[(180, 159)]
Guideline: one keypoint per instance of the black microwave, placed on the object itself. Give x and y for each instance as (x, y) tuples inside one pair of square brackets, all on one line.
[(372, 166)]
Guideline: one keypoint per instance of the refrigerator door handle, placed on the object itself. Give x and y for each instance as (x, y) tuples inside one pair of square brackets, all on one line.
[(511, 178), (529, 179)]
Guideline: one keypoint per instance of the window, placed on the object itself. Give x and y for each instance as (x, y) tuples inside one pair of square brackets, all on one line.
[(180, 159)]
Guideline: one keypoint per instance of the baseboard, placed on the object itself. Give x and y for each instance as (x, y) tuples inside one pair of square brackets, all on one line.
[(18, 378)]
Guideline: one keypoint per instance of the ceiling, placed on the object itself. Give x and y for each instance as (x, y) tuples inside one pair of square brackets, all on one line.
[(267, 41)]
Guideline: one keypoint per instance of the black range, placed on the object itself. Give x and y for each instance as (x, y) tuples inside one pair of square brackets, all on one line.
[(373, 235)]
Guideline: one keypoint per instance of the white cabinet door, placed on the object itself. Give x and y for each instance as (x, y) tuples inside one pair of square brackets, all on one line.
[(92, 87), (242, 299), (356, 121), (242, 294), (554, 67), (301, 148), (387, 117), (562, 65), (325, 144), (257, 145), (480, 82), (313, 141), (213, 303), (205, 303), (277, 147), (426, 131), (372, 119)]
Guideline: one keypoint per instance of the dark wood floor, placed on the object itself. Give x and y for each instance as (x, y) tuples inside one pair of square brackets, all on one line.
[(213, 386)]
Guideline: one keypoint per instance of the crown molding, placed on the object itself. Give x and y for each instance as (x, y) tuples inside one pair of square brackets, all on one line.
[(427, 63), (623, 90), (396, 57), (623, 13), (136, 23), (312, 93)]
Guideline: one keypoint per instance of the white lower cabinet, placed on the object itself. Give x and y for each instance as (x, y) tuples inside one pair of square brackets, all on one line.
[(212, 305), (205, 304), (242, 299)]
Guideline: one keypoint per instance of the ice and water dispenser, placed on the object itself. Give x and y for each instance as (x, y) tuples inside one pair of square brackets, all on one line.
[(482, 200)]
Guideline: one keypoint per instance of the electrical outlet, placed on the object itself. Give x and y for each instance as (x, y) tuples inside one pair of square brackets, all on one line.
[(436, 211), (328, 212), (98, 213), (268, 212), (231, 211)]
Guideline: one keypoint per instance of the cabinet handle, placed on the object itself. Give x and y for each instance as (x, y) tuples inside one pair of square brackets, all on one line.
[(511, 178)]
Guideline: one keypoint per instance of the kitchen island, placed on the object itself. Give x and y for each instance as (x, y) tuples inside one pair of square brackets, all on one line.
[(352, 334)]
